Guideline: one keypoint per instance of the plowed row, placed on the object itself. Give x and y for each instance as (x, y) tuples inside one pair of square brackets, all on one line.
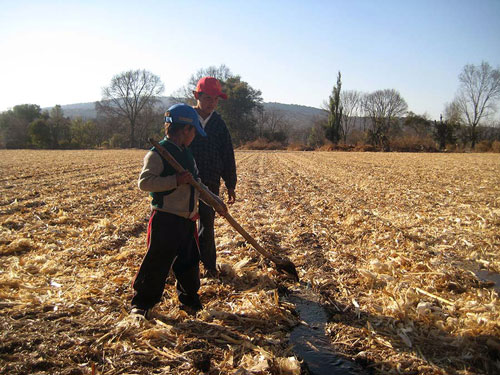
[(390, 242)]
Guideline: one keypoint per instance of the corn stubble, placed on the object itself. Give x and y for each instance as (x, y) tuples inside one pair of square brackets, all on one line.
[(389, 242)]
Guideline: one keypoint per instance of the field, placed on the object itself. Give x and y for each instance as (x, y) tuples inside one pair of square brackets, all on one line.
[(390, 243)]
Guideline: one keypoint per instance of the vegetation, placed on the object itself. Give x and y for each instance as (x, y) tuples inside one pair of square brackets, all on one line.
[(479, 89), (240, 110), (131, 111), (334, 126), (129, 98), (384, 109), (385, 243)]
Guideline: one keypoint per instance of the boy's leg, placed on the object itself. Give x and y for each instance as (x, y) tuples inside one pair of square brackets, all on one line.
[(186, 269), (163, 244), (207, 238)]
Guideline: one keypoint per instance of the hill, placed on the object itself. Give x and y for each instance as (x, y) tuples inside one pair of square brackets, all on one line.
[(298, 116)]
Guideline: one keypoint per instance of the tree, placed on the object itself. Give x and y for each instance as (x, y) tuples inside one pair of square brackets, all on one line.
[(477, 95), (384, 108), (316, 136), (40, 134), (351, 105), (59, 128), (14, 125), (334, 131), (452, 113), (420, 125), (148, 125), (129, 94), (238, 110), (271, 124), (185, 93), (444, 132), (453, 120), (84, 134)]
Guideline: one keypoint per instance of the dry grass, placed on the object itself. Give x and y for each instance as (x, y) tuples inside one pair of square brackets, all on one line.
[(389, 241)]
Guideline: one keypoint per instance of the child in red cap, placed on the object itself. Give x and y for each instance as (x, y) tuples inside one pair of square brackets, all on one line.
[(214, 156)]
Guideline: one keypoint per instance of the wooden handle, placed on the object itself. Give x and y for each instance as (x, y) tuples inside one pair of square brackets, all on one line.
[(205, 195), (208, 198), (248, 237)]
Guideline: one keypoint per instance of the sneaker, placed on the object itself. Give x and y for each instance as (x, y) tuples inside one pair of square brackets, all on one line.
[(140, 312)]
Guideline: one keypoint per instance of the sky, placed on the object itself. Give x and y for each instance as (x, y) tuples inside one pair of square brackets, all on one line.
[(65, 52)]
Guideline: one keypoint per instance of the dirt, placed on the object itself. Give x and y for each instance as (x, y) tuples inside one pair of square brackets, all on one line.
[(390, 243)]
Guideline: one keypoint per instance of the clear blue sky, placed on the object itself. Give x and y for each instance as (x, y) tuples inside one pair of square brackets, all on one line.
[(64, 52)]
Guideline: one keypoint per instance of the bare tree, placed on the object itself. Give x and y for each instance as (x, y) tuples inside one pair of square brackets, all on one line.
[(384, 108), (129, 94), (271, 123), (351, 104), (452, 113), (477, 95), (150, 123)]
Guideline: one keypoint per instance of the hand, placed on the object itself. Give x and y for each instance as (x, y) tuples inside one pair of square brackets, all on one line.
[(221, 209), (184, 178), (231, 196)]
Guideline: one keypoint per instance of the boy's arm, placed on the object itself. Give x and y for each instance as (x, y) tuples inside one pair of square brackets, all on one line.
[(150, 179)]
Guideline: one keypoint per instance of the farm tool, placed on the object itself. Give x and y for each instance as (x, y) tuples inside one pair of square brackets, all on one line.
[(282, 264)]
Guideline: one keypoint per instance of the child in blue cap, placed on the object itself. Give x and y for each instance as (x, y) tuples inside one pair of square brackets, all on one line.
[(171, 238)]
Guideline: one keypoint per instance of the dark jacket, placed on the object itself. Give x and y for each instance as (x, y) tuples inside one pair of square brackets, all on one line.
[(214, 155)]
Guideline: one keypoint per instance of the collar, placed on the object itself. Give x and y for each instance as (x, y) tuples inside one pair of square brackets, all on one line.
[(204, 122)]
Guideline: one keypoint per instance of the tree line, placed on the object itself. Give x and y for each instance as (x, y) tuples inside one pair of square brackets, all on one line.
[(386, 123), (130, 111)]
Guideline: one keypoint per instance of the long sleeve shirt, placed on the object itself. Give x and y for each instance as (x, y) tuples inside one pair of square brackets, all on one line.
[(214, 155), (159, 178)]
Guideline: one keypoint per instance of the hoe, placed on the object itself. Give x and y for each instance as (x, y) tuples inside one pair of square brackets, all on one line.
[(282, 265)]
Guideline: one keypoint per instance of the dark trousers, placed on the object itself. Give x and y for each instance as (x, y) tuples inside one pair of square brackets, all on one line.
[(171, 243), (207, 239)]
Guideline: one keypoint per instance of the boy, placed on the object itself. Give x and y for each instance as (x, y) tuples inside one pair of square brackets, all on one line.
[(171, 229), (214, 156)]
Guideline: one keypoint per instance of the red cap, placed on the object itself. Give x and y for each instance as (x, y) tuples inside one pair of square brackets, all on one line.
[(210, 86)]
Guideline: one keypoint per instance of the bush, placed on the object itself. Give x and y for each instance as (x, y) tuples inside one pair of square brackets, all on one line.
[(483, 146), (458, 148), (118, 141), (495, 146), (364, 147), (329, 146), (413, 143), (297, 146), (263, 144)]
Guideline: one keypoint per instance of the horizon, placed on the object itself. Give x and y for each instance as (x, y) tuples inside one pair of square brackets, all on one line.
[(166, 96), (288, 50)]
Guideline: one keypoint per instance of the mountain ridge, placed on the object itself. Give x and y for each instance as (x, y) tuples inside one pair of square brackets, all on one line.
[(296, 115)]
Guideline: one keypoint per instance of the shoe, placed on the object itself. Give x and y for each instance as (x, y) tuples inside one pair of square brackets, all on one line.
[(211, 274), (190, 302), (140, 312), (196, 306), (191, 309)]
